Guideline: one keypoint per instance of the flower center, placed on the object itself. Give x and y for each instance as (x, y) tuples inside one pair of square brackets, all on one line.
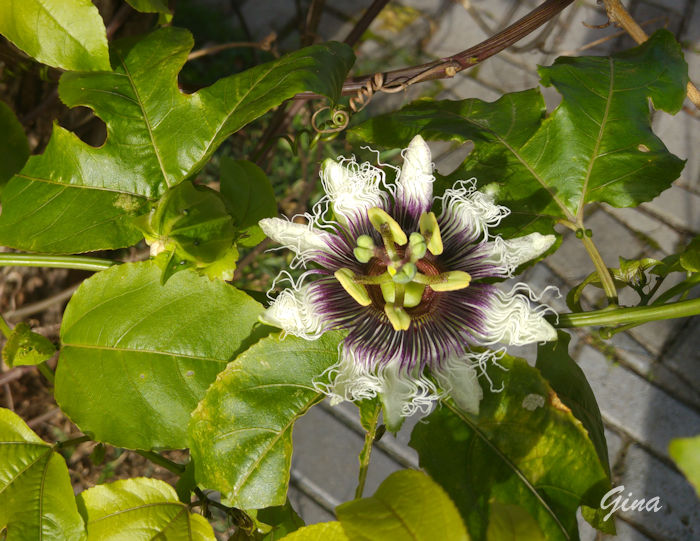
[(403, 272)]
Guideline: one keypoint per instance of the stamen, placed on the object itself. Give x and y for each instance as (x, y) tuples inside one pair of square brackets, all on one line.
[(447, 281), (386, 225), (430, 230), (357, 291)]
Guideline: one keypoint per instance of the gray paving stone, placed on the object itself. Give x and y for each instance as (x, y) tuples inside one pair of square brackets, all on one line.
[(571, 34), (615, 443), (325, 452), (626, 532), (684, 356), (636, 407), (654, 234), (455, 28), (657, 334), (308, 509), (682, 137), (678, 207), (646, 477)]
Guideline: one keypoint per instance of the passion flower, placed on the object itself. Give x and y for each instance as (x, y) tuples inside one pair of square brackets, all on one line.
[(407, 283)]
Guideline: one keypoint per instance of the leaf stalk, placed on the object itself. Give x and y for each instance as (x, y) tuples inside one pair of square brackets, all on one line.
[(366, 452), (77, 262)]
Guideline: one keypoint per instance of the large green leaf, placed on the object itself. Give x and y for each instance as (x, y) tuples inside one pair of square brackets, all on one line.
[(67, 34), (75, 197), (146, 352), (36, 497), (324, 531), (241, 433), (140, 509), (407, 505), (596, 146), (570, 383), (525, 448), (13, 145)]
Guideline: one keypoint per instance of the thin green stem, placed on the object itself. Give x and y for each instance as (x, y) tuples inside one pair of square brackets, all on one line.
[(78, 262), (46, 372), (173, 467), (5, 328), (72, 442), (636, 314), (603, 272), (366, 452)]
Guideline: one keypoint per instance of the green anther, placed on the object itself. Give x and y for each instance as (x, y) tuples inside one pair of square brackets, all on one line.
[(417, 246), (451, 281), (363, 255), (385, 224), (357, 291), (404, 274), (430, 230), (413, 294), (398, 317)]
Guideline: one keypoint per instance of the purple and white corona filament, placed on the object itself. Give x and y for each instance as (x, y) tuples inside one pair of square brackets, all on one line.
[(405, 282)]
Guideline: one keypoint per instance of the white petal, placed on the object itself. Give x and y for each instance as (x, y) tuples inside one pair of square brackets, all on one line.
[(352, 188), (414, 187), (295, 314), (508, 255), (302, 239), (467, 209), (458, 377), (510, 319)]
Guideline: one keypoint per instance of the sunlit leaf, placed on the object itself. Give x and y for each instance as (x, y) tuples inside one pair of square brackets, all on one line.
[(146, 352), (75, 197), (324, 531), (597, 145), (66, 34), (280, 520), (407, 505), (241, 433), (36, 497), (13, 145), (25, 347), (525, 448), (686, 453), (140, 509)]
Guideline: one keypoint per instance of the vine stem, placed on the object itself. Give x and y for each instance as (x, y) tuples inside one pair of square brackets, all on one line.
[(77, 262), (636, 314), (173, 467), (603, 272), (366, 452), (72, 442)]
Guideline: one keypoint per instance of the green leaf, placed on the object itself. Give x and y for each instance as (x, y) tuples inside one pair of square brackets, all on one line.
[(686, 454), (249, 197), (36, 497), (282, 519), (150, 6), (241, 433), (324, 531), (508, 521), (76, 198), (525, 448), (25, 347), (66, 34), (191, 224), (140, 509), (13, 144), (407, 505), (690, 258), (596, 146), (146, 353)]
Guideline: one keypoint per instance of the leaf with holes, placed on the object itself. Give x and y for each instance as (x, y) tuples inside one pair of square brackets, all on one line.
[(36, 497), (140, 509), (241, 433), (146, 352), (525, 448), (597, 145), (77, 198), (66, 34)]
